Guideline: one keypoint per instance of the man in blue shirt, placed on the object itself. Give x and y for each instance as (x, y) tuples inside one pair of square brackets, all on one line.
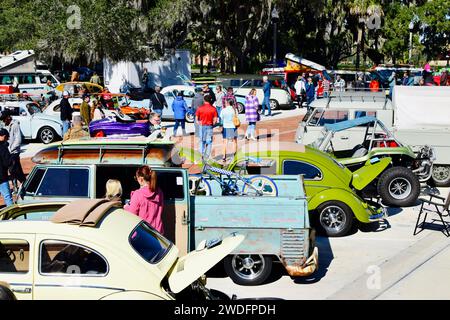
[(266, 102), (310, 91)]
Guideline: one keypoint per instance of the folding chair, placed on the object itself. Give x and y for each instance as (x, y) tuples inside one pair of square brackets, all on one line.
[(441, 209)]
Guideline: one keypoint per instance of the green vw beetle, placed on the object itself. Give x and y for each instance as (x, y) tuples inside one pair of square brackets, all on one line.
[(331, 188)]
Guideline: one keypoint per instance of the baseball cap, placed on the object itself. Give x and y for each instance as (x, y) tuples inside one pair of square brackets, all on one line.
[(4, 132)]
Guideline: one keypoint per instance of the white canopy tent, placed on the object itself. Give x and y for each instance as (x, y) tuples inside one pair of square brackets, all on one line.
[(421, 107)]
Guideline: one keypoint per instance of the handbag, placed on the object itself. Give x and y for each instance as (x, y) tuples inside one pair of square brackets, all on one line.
[(236, 121)]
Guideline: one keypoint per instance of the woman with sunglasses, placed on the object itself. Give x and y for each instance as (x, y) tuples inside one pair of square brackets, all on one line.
[(148, 201)]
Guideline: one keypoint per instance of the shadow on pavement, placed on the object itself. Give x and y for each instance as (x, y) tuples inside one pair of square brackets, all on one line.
[(378, 226)]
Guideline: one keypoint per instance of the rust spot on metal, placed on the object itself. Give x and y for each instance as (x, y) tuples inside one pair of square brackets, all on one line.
[(303, 268), (109, 155)]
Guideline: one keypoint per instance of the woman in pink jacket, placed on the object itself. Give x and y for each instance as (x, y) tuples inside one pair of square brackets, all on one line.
[(148, 201)]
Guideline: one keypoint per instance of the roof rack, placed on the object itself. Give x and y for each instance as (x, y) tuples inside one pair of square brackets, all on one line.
[(99, 151), (84, 213)]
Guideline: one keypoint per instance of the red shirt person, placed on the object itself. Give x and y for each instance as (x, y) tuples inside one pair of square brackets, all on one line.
[(206, 116)]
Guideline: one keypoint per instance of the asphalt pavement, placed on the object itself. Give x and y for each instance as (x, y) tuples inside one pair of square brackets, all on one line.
[(377, 261), (380, 261)]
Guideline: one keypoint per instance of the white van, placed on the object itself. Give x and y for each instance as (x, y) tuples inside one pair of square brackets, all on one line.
[(32, 83)]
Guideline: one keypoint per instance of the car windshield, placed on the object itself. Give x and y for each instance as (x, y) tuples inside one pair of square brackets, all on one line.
[(149, 244), (33, 108), (323, 134)]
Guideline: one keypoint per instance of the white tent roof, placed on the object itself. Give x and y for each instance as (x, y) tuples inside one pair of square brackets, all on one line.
[(421, 107), (308, 63), (15, 58)]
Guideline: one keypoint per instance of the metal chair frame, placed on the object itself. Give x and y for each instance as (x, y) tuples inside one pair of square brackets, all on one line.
[(442, 210)]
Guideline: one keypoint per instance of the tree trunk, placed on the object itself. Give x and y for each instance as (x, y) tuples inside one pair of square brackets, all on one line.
[(358, 49), (222, 61), (202, 54), (363, 47)]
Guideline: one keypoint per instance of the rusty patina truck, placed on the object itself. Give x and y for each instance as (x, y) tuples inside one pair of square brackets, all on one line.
[(276, 229)]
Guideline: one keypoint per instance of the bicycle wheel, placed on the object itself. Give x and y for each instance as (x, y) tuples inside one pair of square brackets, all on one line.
[(260, 185), (198, 186)]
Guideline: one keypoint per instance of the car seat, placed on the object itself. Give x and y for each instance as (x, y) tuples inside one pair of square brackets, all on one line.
[(359, 151)]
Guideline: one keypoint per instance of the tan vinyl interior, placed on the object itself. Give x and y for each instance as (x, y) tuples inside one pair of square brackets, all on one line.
[(14, 256), (174, 228)]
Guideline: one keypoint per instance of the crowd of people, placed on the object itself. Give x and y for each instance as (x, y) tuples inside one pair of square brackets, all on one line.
[(10, 166)]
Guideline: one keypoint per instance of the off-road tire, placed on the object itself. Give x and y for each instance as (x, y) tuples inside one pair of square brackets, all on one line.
[(404, 176)]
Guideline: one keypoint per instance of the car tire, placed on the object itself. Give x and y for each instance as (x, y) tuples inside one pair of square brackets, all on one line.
[(47, 135), (6, 294), (248, 269), (240, 108), (274, 105), (341, 219), (189, 117), (399, 186), (441, 176)]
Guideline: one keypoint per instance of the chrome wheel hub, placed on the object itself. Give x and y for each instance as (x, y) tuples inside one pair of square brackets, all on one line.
[(400, 188), (333, 217), (248, 266)]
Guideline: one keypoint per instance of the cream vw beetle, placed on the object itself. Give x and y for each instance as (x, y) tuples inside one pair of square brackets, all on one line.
[(92, 249), (33, 123)]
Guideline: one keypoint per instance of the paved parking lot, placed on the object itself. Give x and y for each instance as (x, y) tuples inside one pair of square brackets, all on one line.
[(381, 261)]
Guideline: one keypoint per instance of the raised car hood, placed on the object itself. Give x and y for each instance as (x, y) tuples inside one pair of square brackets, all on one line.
[(371, 169), (192, 266)]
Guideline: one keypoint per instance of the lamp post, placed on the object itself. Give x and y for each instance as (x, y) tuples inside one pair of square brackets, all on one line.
[(275, 17), (411, 28)]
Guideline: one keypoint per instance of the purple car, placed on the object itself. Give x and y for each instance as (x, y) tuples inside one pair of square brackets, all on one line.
[(117, 126)]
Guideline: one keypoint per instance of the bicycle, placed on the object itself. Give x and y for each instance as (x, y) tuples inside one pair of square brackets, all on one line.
[(257, 185)]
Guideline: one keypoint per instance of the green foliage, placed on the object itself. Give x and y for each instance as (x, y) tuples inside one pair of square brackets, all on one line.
[(326, 31), (435, 18)]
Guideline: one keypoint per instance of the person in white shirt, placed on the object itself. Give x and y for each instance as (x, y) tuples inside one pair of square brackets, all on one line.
[(300, 90), (229, 129), (339, 84)]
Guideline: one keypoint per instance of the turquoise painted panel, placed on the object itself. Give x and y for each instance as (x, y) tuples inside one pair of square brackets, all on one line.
[(247, 212), (291, 245)]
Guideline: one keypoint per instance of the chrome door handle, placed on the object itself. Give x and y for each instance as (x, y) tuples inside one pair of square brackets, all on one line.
[(344, 138), (21, 290), (185, 220)]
